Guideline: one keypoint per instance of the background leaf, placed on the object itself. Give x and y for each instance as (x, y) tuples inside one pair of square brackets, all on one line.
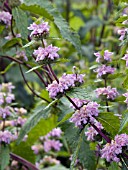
[(4, 156)]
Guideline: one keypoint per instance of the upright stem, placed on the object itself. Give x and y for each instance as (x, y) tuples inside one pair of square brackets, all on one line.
[(54, 75), (72, 102), (105, 83)]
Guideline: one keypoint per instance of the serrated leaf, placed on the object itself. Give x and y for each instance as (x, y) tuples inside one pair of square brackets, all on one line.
[(66, 117), (11, 43), (21, 20), (114, 166), (114, 76), (124, 121), (34, 119), (4, 156), (29, 44), (110, 122), (56, 17)]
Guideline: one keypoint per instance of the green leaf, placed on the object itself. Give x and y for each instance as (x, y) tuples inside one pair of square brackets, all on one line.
[(7, 68), (34, 68), (41, 129), (75, 154), (56, 17), (21, 20), (11, 43), (114, 166), (124, 121), (82, 93), (66, 117), (34, 119), (114, 76), (4, 156), (29, 44), (125, 83), (110, 122)]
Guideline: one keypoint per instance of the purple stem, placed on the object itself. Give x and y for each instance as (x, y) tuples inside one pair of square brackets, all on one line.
[(101, 133), (72, 102), (23, 161), (7, 7), (126, 156), (53, 73)]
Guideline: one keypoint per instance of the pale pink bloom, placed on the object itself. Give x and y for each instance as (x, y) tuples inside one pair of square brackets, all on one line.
[(5, 17), (7, 137), (122, 33), (52, 145)]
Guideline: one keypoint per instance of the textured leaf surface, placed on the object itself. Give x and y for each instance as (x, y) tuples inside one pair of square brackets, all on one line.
[(124, 121), (4, 156), (56, 17), (110, 122), (21, 20)]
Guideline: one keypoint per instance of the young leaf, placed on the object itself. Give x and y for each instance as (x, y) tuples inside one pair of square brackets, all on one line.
[(21, 20), (4, 156), (11, 43), (56, 17), (29, 44)]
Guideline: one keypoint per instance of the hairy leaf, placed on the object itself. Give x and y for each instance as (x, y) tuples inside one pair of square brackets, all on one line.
[(21, 20), (4, 156), (124, 121), (110, 122)]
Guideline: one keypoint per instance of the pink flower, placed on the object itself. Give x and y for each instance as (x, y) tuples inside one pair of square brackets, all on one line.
[(126, 95), (107, 56), (5, 112), (22, 55), (18, 122), (65, 82), (99, 57), (6, 87), (7, 137), (37, 148), (5, 17), (39, 29), (110, 93), (103, 70), (85, 114), (46, 53), (122, 32), (56, 132), (52, 144), (111, 150), (91, 132), (79, 102)]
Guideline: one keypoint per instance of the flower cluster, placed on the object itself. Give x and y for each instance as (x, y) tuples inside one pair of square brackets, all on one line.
[(85, 115), (112, 150), (7, 137), (110, 93), (5, 17), (47, 143), (122, 33), (47, 53), (107, 56), (91, 132), (103, 70), (39, 29), (10, 117), (21, 55), (65, 82)]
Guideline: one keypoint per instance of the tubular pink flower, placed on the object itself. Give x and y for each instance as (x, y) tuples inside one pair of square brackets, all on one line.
[(46, 53), (39, 29), (85, 114), (110, 93), (5, 17), (111, 150), (65, 82), (103, 70)]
